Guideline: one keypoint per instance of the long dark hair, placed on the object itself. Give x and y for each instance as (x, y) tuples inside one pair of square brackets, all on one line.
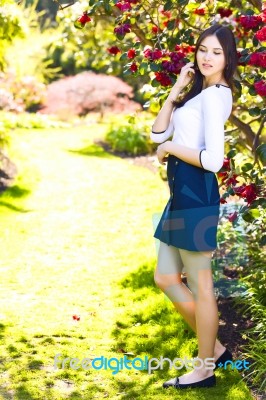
[(227, 41)]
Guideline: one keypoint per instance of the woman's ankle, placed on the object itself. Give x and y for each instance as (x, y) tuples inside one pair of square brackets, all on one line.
[(218, 349)]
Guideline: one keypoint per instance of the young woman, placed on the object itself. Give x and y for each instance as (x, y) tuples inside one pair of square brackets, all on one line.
[(188, 226)]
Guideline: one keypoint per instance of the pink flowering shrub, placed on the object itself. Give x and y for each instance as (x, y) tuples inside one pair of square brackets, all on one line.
[(87, 91)]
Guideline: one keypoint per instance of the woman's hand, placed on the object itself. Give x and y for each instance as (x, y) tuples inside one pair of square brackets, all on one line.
[(161, 153)]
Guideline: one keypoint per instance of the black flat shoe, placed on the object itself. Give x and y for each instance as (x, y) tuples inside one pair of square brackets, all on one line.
[(226, 356), (208, 382)]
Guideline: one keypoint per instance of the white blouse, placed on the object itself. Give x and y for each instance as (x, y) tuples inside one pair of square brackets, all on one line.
[(199, 124)]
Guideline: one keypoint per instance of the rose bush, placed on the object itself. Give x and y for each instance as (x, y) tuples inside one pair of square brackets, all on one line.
[(156, 39)]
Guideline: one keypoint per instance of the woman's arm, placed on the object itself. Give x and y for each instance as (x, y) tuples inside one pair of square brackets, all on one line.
[(214, 115), (191, 156), (162, 129), (211, 158)]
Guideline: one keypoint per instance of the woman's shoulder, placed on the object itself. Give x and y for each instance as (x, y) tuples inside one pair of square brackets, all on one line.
[(218, 87), (218, 91)]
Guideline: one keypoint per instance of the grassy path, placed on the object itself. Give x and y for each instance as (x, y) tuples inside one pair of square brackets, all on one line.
[(76, 238)]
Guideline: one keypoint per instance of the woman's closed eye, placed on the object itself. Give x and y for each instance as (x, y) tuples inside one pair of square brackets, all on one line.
[(213, 53)]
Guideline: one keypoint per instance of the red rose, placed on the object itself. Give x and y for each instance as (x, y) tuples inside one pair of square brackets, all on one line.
[(250, 193), (250, 21), (114, 50), (232, 180), (226, 163), (232, 216), (258, 59), (166, 13), (222, 200), (261, 34), (239, 190), (133, 67), (163, 78), (122, 29), (131, 53), (200, 11), (156, 54), (123, 6), (81, 21), (84, 18), (155, 29), (185, 48), (225, 12), (260, 87)]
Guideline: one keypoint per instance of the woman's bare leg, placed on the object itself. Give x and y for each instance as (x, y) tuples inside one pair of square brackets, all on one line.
[(168, 277), (200, 281)]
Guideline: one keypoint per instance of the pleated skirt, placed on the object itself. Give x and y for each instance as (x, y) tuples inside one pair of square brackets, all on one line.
[(190, 218)]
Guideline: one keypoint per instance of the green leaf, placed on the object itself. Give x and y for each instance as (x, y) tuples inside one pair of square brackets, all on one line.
[(231, 153), (155, 67), (252, 91), (261, 151), (244, 52), (143, 68), (245, 58), (168, 5), (123, 57), (238, 86), (171, 25), (255, 42), (249, 12), (250, 215), (254, 111), (155, 83), (247, 167), (259, 202), (127, 72), (263, 111)]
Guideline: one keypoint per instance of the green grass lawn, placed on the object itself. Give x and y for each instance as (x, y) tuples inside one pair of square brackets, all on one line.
[(77, 238)]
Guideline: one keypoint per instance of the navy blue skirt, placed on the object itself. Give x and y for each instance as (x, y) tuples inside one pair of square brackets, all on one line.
[(190, 218)]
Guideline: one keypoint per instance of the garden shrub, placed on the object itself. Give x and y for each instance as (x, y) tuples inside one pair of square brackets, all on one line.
[(131, 138), (86, 92), (20, 94)]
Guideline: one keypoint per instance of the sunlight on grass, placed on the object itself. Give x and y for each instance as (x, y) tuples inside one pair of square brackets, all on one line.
[(77, 238)]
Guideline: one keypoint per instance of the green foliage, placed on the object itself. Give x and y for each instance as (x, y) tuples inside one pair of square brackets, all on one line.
[(10, 27), (11, 121), (4, 138), (131, 138), (254, 305)]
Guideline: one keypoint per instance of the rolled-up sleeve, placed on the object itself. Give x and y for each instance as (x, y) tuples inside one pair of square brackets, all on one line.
[(160, 137), (214, 117)]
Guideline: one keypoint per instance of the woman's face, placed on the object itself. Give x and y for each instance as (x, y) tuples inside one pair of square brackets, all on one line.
[(211, 59)]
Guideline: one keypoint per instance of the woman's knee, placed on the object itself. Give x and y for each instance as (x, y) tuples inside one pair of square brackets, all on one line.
[(201, 289), (163, 281)]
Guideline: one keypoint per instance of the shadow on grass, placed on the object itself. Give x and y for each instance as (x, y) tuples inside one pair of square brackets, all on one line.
[(22, 393), (14, 192), (92, 150), (13, 208), (141, 279)]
